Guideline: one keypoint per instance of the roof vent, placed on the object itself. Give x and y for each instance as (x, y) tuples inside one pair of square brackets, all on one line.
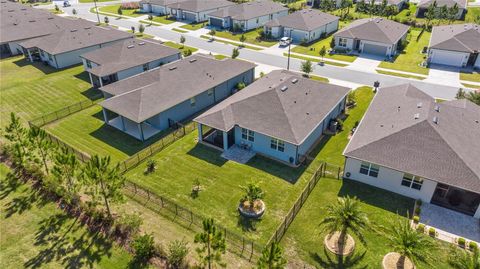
[(295, 80), (172, 68), (86, 28), (435, 120), (141, 43), (284, 88), (31, 21), (437, 108), (130, 46), (419, 105), (192, 60), (416, 116), (398, 108), (73, 30)]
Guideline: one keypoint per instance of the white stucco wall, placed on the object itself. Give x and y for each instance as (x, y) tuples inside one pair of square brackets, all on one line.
[(15, 48), (390, 180), (349, 43), (158, 9)]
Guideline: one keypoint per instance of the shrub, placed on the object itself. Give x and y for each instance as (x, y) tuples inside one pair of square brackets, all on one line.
[(421, 228), (144, 247), (119, 10), (129, 224), (432, 232), (472, 246), (417, 210), (150, 17), (408, 13), (461, 242), (416, 219), (177, 251), (141, 28), (240, 86), (151, 166), (187, 52), (418, 202)]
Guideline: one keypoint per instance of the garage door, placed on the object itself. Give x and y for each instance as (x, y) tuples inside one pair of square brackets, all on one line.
[(190, 16), (447, 58), (216, 22), (374, 49)]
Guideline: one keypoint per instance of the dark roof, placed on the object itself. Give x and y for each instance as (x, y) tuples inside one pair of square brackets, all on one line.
[(398, 131), (440, 3), (374, 29), (82, 36), (200, 5), (456, 37), (145, 95), (127, 54), (306, 20), (282, 104), (249, 10)]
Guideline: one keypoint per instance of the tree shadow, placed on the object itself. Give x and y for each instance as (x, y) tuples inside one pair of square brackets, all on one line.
[(29, 197), (248, 224), (9, 185), (207, 154), (277, 169), (332, 261)]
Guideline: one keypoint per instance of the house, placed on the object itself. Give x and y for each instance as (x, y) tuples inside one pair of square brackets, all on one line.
[(316, 3), (247, 16), (305, 25), (20, 23), (196, 10), (152, 101), (157, 6), (376, 36), (63, 48), (456, 45), (125, 59), (409, 144), (423, 5), (281, 115)]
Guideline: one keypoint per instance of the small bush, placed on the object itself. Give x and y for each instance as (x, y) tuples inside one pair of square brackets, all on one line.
[(240, 86), (129, 224), (432, 232), (187, 52), (416, 219), (151, 166), (177, 251), (417, 210), (472, 246), (144, 247), (461, 241), (421, 228), (418, 202)]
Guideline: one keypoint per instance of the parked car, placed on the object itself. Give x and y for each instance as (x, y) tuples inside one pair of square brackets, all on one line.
[(285, 41), (66, 4)]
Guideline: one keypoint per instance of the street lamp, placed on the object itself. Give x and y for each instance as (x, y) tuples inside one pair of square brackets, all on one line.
[(376, 84), (289, 45), (96, 9)]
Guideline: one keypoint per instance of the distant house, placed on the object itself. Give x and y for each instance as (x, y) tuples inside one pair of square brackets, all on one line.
[(409, 144), (196, 10), (247, 16), (63, 48), (304, 25), (376, 36), (147, 103), (125, 59), (157, 6), (456, 45), (400, 4), (423, 5), (281, 115)]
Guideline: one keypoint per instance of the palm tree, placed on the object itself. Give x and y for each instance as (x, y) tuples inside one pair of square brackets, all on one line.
[(409, 243), (272, 257), (464, 259), (253, 192), (345, 217)]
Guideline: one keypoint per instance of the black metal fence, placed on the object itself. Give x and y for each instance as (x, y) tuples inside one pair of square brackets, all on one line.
[(236, 243)]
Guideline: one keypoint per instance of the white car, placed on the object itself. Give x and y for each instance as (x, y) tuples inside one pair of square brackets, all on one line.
[(285, 41)]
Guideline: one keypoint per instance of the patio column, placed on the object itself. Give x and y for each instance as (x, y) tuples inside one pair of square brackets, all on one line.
[(101, 81), (225, 140), (200, 132), (123, 123), (477, 214), (30, 55), (140, 129), (91, 79), (105, 117)]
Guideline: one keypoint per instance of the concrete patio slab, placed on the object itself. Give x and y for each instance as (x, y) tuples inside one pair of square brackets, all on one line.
[(237, 154)]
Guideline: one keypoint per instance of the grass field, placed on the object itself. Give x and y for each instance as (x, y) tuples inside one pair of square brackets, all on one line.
[(194, 26), (252, 37), (163, 20), (313, 59), (179, 46), (36, 234), (179, 30), (474, 76), (141, 35), (314, 49), (399, 74), (31, 90), (411, 57), (125, 12), (238, 44)]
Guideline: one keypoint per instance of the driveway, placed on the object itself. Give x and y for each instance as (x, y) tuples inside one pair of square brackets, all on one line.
[(445, 75), (366, 63)]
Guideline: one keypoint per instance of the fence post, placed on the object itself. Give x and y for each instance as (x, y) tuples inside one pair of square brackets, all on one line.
[(251, 253), (338, 174), (161, 200), (176, 210), (135, 185)]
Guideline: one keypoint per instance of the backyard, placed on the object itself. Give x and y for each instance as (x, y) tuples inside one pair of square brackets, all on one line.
[(252, 37), (31, 90), (411, 57)]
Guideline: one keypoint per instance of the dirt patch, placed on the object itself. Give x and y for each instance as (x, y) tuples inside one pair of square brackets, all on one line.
[(333, 245), (393, 261)]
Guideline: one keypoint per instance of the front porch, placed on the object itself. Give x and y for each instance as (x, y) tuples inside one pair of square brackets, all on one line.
[(141, 131)]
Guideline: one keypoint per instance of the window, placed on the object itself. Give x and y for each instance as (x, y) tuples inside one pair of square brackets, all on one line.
[(50, 57), (277, 144), (342, 42), (192, 101), (257, 20), (210, 92), (248, 135), (145, 67), (369, 169), (89, 64), (412, 181)]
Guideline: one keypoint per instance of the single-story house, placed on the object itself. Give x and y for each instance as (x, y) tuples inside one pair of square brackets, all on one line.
[(281, 115), (409, 144), (20, 23), (423, 5), (152, 101), (397, 3), (125, 59), (456, 45), (305, 25), (157, 6), (376, 36), (247, 16), (63, 48), (196, 10)]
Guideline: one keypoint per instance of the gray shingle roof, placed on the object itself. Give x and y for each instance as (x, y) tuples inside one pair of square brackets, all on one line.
[(249, 10), (290, 115), (127, 54), (83, 36), (145, 95), (398, 131), (306, 20), (440, 3), (374, 29), (456, 37), (200, 5)]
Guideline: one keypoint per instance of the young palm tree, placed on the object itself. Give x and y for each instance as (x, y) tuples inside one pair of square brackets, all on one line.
[(345, 217), (409, 243), (272, 257), (464, 259)]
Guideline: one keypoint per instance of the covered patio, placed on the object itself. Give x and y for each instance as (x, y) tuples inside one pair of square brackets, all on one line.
[(141, 131), (457, 199), (214, 137)]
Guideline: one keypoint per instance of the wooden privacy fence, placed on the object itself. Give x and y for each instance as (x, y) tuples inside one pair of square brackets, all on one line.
[(236, 243)]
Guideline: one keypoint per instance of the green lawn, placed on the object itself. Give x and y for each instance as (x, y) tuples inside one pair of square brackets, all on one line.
[(313, 59), (179, 46), (252, 37), (471, 86), (317, 78), (141, 35), (35, 233), (125, 12), (163, 20), (314, 49), (399, 74), (91, 1), (220, 56), (179, 30), (411, 57), (207, 37), (474, 76), (194, 26), (31, 90)]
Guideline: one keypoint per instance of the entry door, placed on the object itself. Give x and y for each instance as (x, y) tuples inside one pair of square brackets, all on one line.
[(231, 137)]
